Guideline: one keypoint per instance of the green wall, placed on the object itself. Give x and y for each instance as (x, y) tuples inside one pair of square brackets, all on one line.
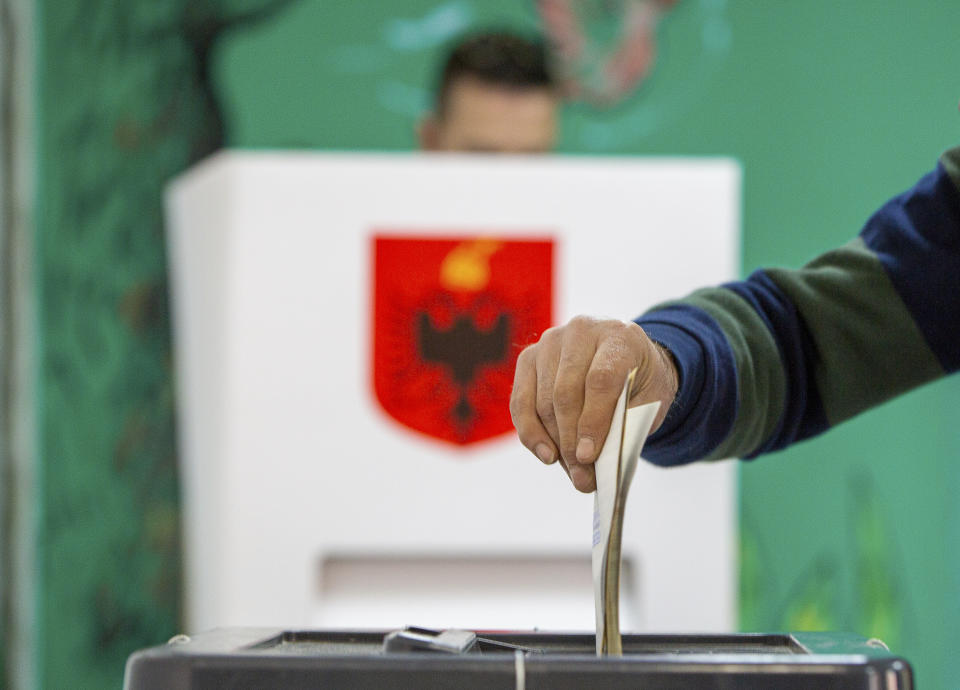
[(831, 107), (123, 104)]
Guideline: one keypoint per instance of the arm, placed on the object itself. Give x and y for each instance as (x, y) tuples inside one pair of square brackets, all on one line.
[(771, 360), (785, 355)]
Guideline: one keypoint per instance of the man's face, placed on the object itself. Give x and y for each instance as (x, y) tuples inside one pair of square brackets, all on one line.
[(480, 117)]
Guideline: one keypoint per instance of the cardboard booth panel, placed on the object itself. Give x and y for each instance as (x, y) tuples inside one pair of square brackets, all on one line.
[(346, 327)]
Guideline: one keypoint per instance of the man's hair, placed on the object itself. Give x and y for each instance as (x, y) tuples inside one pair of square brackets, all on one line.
[(497, 58)]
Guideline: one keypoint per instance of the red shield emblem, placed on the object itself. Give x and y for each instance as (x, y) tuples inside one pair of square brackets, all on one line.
[(450, 317)]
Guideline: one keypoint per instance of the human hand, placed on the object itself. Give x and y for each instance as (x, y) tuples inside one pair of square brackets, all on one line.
[(566, 387)]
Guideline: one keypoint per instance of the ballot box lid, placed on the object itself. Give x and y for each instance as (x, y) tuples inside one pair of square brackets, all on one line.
[(276, 658)]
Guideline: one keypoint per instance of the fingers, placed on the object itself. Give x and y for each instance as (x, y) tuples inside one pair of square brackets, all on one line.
[(583, 477), (578, 347), (566, 388), (548, 355), (603, 383), (523, 409)]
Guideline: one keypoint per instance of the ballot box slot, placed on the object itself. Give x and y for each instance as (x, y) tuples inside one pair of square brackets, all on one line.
[(321, 643), (649, 645), (336, 643)]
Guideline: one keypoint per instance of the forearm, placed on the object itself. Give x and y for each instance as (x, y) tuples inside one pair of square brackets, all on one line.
[(786, 354)]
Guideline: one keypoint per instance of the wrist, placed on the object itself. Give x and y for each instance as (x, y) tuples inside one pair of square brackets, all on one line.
[(669, 367)]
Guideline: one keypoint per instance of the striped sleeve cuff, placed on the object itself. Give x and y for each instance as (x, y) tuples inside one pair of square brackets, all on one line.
[(705, 408)]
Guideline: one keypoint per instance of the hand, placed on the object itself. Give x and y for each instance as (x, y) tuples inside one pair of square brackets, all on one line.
[(566, 387)]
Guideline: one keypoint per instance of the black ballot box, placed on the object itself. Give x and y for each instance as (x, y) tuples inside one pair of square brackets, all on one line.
[(419, 658)]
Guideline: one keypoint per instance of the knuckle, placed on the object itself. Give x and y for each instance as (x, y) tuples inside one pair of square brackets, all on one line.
[(619, 331), (613, 326), (564, 406), (603, 376), (566, 396), (581, 322), (527, 434), (519, 406), (569, 382), (549, 335), (636, 339), (629, 334), (526, 355), (635, 330), (545, 410)]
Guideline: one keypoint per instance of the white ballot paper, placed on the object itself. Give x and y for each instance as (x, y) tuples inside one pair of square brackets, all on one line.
[(615, 468)]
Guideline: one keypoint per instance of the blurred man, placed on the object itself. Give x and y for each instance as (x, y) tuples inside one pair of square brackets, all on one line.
[(494, 95)]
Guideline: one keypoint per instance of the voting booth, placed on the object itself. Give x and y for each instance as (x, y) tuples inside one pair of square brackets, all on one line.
[(345, 332)]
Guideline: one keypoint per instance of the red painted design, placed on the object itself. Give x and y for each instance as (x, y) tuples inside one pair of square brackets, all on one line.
[(450, 316)]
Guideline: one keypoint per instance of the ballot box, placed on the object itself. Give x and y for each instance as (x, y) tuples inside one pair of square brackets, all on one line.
[(345, 330), (416, 658)]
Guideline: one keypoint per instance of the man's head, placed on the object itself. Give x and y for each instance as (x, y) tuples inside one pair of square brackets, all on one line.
[(494, 95)]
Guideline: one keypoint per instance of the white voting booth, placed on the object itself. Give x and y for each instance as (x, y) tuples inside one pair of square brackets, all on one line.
[(307, 503)]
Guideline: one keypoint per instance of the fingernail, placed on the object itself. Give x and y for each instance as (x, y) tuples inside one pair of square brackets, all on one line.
[(585, 449), (580, 476), (545, 453)]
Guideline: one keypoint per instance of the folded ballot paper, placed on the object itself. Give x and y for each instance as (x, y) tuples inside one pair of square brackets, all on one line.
[(615, 468)]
